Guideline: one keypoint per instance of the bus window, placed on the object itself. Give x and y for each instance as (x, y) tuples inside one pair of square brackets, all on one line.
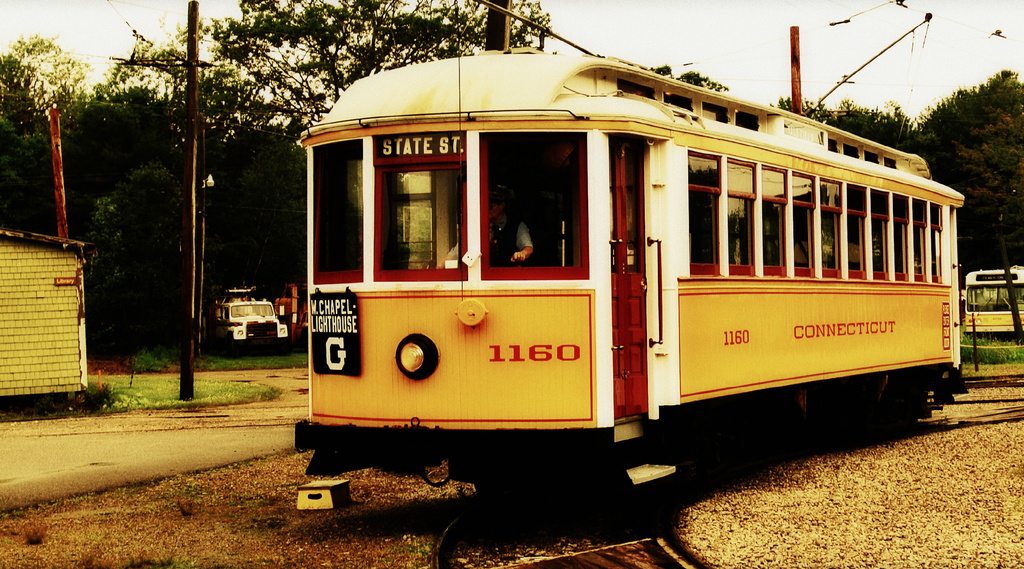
[(856, 212), (740, 179), (803, 225), (773, 205), (831, 210), (992, 298), (338, 191), (705, 188), (533, 189)]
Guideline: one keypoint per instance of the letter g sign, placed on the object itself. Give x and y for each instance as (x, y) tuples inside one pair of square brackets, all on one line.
[(335, 346), (335, 353)]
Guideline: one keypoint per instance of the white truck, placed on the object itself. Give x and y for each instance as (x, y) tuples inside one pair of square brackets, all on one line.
[(239, 322)]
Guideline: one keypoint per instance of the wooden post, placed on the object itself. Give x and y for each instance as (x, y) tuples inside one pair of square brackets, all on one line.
[(188, 208), (58, 173), (794, 69), (197, 327)]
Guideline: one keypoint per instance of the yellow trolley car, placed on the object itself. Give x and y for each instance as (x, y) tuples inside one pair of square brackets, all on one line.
[(524, 263)]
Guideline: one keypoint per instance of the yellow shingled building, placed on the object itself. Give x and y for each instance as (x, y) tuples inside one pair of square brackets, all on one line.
[(42, 307)]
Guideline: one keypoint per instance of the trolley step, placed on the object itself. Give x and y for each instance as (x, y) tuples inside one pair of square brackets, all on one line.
[(323, 495), (648, 472)]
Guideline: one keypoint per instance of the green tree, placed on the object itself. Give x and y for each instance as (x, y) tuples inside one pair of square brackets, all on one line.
[(997, 187), (134, 283), (26, 181), (948, 136), (693, 78), (304, 53), (35, 74)]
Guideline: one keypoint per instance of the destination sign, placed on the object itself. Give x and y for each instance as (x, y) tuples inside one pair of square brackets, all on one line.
[(421, 144)]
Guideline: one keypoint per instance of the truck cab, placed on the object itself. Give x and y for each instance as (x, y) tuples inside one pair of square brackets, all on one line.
[(240, 322)]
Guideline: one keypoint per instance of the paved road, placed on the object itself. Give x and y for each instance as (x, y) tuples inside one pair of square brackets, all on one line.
[(46, 460)]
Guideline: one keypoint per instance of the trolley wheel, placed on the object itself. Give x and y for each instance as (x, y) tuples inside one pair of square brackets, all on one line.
[(436, 476)]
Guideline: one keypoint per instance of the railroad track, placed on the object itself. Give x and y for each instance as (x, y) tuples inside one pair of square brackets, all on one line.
[(566, 543)]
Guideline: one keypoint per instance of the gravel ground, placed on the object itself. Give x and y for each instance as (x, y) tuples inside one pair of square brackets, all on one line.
[(944, 499)]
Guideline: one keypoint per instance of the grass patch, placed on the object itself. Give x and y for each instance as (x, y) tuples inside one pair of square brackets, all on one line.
[(161, 392), (998, 356), (127, 393), (162, 358)]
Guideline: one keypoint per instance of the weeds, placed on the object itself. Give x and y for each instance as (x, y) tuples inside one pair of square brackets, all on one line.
[(35, 533), (187, 506), (91, 400), (991, 351)]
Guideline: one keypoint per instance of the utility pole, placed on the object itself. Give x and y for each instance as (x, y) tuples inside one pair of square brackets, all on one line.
[(794, 70), (188, 208), (58, 173), (197, 328)]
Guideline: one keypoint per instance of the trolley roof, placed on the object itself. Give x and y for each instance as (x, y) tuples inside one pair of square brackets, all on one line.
[(500, 86)]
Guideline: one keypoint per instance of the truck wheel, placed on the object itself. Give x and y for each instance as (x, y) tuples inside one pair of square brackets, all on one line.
[(234, 348)]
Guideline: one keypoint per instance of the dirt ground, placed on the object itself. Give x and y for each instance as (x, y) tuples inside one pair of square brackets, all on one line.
[(239, 516)]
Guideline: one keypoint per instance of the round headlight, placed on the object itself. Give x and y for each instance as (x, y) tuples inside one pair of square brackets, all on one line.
[(411, 357), (416, 356)]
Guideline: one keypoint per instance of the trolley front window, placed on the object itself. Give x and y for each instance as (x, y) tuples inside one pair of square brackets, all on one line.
[(338, 191), (421, 214)]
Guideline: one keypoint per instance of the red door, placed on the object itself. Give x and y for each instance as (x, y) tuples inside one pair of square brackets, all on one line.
[(629, 284)]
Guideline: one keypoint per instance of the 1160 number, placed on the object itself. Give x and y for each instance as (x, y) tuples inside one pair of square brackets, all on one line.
[(538, 353)]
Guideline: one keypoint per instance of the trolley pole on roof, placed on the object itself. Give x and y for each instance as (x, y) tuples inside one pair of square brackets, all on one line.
[(499, 27), (846, 78), (188, 209)]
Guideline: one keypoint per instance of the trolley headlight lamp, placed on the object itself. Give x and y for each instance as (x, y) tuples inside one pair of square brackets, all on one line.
[(416, 356)]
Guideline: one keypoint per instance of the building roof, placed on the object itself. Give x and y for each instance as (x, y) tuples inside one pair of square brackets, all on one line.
[(83, 249)]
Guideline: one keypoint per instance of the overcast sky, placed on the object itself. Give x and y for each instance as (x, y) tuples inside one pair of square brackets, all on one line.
[(743, 44)]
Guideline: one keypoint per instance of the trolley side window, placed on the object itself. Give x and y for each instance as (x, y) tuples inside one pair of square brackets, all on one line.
[(740, 179), (830, 195), (935, 223), (880, 235), (338, 194), (900, 237), (803, 225), (773, 204), (533, 202), (705, 188), (920, 230), (856, 214)]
